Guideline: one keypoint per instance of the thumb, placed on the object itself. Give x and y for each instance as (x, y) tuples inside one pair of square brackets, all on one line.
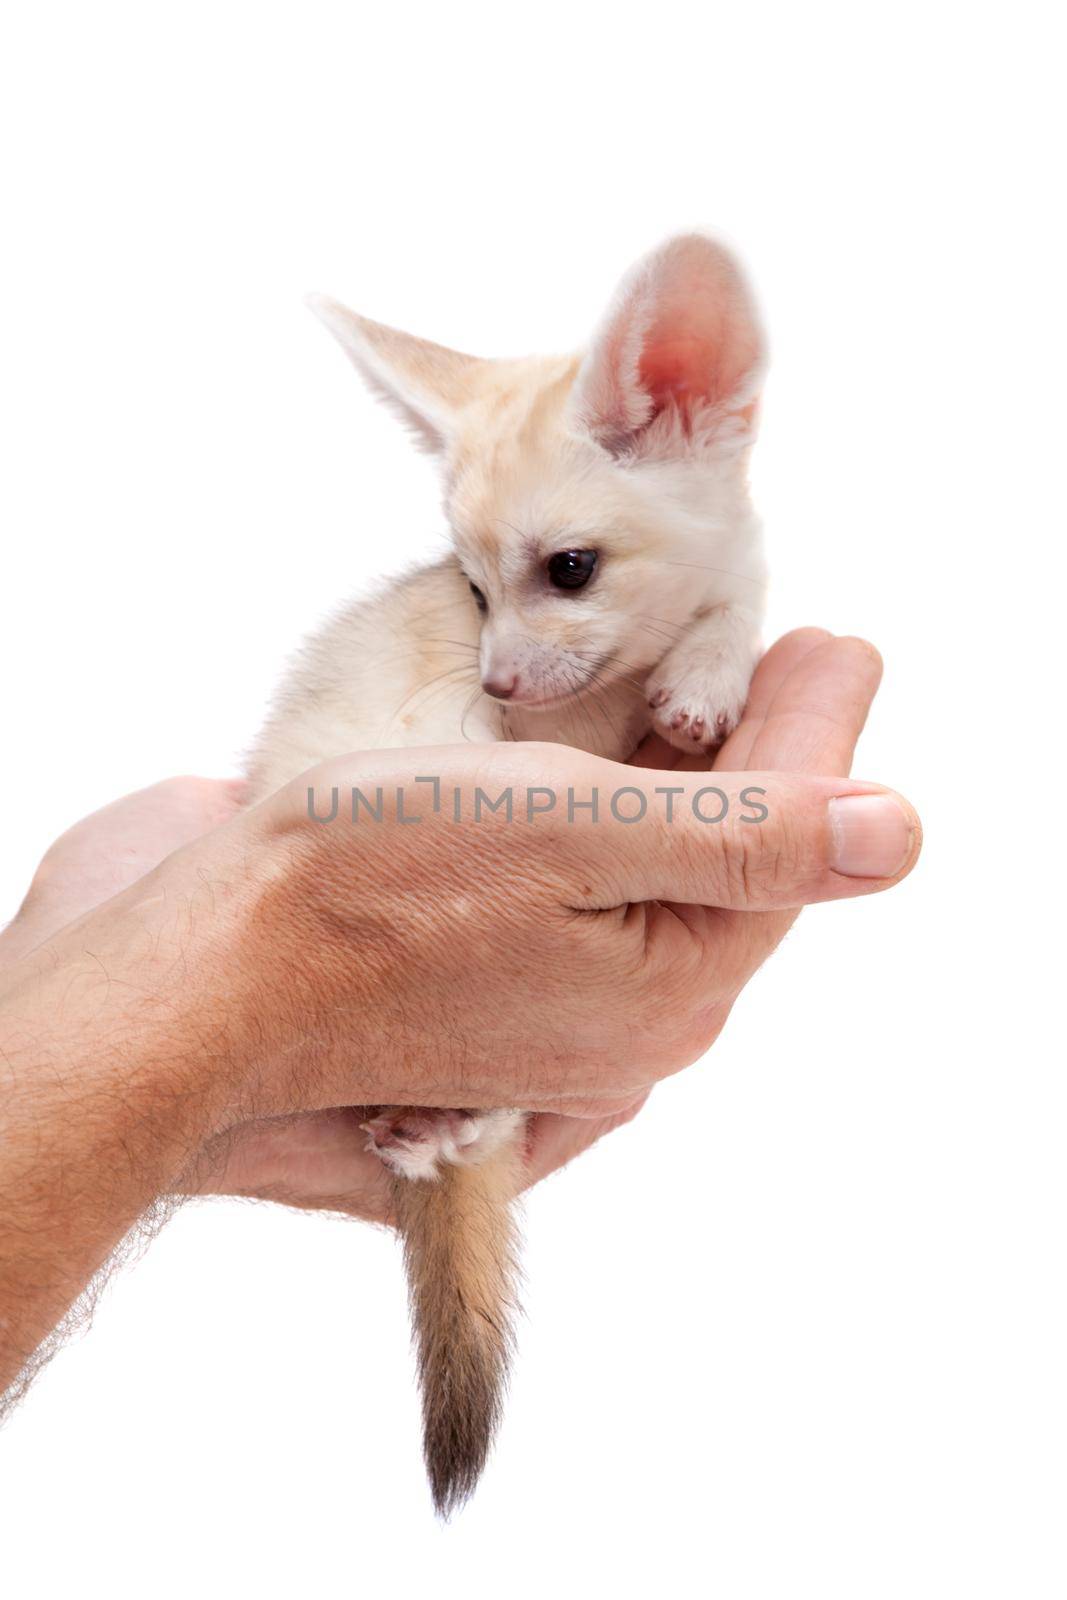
[(744, 841)]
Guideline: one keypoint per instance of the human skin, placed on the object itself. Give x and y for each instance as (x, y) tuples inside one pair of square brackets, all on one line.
[(201, 1029)]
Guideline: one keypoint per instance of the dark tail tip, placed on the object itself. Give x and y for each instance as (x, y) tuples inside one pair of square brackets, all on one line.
[(463, 1388)]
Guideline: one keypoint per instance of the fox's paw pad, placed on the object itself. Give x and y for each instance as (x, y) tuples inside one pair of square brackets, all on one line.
[(415, 1142)]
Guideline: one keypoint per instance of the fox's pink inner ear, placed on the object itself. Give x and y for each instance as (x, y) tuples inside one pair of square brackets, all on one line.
[(682, 335), (695, 365)]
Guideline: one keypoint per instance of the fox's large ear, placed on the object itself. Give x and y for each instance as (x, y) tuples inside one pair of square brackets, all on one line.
[(681, 347), (424, 383)]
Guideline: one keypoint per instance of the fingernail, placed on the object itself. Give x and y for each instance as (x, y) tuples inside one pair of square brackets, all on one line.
[(870, 835)]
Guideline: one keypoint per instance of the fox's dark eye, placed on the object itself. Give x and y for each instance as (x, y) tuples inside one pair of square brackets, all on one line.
[(479, 598), (571, 569)]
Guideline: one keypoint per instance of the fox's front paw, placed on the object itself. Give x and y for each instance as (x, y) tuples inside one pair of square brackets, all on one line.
[(695, 704)]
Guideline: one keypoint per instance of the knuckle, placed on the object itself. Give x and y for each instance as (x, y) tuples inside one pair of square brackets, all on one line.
[(759, 864), (695, 1029)]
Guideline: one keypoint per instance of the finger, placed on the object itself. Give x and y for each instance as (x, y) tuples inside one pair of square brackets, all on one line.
[(656, 752), (747, 841), (781, 660), (316, 1160), (555, 1140), (811, 723), (817, 712)]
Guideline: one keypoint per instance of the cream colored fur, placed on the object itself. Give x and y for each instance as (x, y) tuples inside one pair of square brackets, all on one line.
[(542, 455)]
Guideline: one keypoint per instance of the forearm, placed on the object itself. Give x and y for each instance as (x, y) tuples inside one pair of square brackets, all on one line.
[(102, 1102)]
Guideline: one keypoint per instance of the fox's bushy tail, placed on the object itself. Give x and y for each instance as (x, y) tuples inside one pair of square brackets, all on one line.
[(460, 1253)]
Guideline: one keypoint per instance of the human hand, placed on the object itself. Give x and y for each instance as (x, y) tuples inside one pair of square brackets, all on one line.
[(554, 961), (805, 685), (277, 966), (807, 707), (317, 1159)]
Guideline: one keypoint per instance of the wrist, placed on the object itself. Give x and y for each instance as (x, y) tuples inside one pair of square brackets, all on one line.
[(134, 993), (102, 1102), (78, 1026)]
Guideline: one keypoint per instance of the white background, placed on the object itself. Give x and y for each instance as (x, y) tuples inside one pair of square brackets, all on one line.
[(799, 1330)]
